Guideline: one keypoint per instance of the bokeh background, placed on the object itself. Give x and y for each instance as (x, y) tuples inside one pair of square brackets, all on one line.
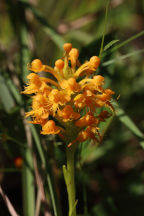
[(110, 177)]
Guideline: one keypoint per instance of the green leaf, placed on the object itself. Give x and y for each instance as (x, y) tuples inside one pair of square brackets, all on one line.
[(28, 184), (110, 44), (127, 121), (125, 42), (38, 143), (122, 57), (6, 96), (93, 152), (44, 160), (14, 91), (105, 23)]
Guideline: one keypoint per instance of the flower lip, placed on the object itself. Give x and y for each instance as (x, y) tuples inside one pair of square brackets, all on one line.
[(68, 113), (50, 128)]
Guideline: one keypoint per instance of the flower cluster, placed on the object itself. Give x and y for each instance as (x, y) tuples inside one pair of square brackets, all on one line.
[(67, 104)]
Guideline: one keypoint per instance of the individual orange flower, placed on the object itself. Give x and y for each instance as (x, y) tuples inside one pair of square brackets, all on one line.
[(50, 128), (70, 85), (68, 114), (86, 120)]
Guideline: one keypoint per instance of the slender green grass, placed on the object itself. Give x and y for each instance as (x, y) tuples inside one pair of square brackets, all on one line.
[(104, 32), (27, 176), (48, 170), (127, 41), (28, 186)]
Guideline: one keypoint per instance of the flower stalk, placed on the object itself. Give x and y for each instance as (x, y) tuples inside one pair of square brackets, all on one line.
[(69, 177)]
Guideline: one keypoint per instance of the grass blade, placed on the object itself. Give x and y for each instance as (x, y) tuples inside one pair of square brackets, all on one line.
[(38, 144), (28, 185), (8, 203), (5, 95), (127, 121), (106, 16), (127, 41), (120, 58), (14, 91), (111, 43), (124, 43), (48, 170), (28, 180)]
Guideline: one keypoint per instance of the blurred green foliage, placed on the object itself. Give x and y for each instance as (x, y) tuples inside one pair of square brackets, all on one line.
[(110, 177)]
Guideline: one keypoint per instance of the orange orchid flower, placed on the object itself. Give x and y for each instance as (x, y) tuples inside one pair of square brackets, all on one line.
[(72, 89)]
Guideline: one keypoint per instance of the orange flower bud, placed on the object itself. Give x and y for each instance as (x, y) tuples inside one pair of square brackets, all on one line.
[(74, 53), (59, 64), (18, 162), (67, 47), (95, 61), (32, 76), (36, 65)]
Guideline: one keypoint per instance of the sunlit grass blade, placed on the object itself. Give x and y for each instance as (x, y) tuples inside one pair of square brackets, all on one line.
[(5, 95)]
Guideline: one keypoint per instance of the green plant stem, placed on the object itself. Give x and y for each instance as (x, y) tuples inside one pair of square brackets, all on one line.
[(70, 180)]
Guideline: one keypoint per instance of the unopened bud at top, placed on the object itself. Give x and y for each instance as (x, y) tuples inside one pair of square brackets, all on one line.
[(74, 53), (67, 47), (59, 64), (36, 65), (95, 61)]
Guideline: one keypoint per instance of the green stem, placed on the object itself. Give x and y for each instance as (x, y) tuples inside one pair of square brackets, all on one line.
[(70, 180)]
